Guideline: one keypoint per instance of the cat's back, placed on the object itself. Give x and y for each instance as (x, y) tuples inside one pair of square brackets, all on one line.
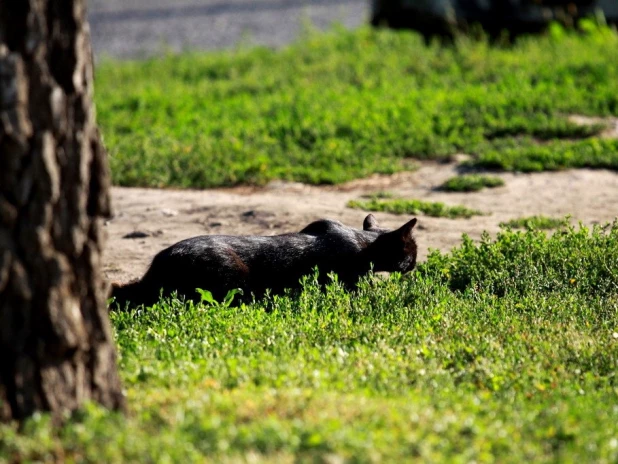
[(323, 227), (321, 238), (249, 247), (337, 237)]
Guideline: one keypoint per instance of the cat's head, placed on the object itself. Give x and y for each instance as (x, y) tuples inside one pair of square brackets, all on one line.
[(392, 250)]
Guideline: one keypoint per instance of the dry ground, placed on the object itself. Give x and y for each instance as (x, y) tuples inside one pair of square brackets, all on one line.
[(162, 217)]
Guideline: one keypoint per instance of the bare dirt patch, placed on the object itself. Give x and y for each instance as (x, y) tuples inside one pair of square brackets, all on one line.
[(148, 220), (610, 123)]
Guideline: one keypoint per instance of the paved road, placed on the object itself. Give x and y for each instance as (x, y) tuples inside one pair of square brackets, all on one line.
[(137, 28)]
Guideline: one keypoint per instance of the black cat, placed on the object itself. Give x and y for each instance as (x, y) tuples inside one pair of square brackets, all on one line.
[(220, 263)]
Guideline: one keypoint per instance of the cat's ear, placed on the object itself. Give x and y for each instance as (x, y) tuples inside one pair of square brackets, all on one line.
[(370, 222), (405, 231)]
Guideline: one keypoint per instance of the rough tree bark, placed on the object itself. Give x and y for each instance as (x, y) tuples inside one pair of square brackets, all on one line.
[(56, 343)]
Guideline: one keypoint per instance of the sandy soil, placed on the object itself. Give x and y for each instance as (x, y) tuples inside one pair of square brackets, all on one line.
[(158, 218)]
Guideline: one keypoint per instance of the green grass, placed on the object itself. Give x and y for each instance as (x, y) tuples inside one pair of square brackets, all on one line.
[(528, 156), (471, 183), (412, 206), (344, 105), (380, 195), (535, 222), (500, 351)]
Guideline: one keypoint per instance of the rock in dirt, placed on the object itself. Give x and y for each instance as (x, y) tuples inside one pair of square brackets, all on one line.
[(136, 234)]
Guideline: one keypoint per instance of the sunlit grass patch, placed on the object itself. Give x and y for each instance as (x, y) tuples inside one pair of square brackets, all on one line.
[(528, 156), (413, 206), (348, 104), (500, 350), (381, 195), (471, 183), (538, 222)]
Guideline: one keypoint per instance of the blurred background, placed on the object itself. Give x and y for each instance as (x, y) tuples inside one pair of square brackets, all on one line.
[(139, 28)]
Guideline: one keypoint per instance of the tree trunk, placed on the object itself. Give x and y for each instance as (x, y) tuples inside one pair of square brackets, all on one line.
[(56, 343)]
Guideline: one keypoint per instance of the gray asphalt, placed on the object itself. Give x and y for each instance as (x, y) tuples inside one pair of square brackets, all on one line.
[(139, 28)]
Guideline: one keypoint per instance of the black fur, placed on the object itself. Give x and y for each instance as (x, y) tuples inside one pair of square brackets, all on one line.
[(220, 263)]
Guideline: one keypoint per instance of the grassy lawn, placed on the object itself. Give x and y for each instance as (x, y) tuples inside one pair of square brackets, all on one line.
[(501, 351), (347, 104)]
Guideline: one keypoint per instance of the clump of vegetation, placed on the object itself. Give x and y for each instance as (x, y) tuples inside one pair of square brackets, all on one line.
[(347, 104), (382, 195), (471, 183), (504, 350), (413, 206), (535, 223), (569, 260), (528, 156)]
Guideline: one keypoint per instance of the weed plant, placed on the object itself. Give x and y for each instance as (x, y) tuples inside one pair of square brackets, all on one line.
[(380, 195), (347, 104), (471, 183), (412, 206), (535, 222), (500, 351)]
